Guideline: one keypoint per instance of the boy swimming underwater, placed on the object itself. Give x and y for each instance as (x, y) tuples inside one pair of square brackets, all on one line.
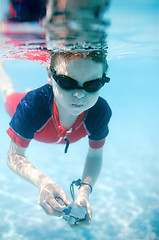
[(63, 111)]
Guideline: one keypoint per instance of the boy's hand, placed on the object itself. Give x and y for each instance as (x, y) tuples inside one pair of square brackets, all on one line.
[(49, 193), (83, 200)]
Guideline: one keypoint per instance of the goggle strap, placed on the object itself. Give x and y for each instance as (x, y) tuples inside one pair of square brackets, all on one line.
[(77, 183)]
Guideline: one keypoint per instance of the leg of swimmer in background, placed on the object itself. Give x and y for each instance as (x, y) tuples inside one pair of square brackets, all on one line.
[(6, 85), (9, 96)]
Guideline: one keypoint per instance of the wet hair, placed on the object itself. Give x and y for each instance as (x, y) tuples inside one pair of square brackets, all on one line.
[(97, 56)]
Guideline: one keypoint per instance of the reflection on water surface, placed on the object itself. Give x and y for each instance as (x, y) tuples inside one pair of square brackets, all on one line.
[(67, 25)]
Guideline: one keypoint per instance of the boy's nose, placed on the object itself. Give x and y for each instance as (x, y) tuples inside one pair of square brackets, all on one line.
[(79, 94)]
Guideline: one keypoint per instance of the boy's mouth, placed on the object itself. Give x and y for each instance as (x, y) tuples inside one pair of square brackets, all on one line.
[(77, 105)]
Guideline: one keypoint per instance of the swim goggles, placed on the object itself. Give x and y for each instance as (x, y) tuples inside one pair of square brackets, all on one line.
[(69, 83)]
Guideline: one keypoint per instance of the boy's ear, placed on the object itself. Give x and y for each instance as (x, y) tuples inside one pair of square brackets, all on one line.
[(48, 72), (48, 67)]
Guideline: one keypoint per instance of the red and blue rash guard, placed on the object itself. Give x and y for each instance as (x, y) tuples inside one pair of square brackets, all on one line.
[(36, 117)]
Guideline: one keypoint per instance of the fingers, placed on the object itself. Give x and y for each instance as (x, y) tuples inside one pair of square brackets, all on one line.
[(66, 200), (62, 198), (51, 206), (49, 210), (81, 223), (85, 203), (52, 199), (55, 205)]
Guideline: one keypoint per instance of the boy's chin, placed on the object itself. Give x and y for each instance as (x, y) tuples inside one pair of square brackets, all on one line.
[(77, 111)]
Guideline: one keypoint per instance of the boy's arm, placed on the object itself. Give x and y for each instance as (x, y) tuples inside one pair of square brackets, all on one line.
[(91, 172), (92, 167), (17, 161), (48, 190)]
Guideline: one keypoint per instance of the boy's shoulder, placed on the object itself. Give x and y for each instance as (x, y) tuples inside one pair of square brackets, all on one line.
[(97, 119), (45, 90), (40, 96), (101, 108), (33, 111), (38, 103)]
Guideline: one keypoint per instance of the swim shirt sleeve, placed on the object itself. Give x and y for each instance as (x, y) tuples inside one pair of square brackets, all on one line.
[(97, 123), (32, 112)]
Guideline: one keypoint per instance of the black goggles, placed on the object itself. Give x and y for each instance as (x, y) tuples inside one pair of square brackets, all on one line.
[(69, 83)]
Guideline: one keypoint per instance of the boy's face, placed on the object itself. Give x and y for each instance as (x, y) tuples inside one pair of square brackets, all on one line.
[(82, 70)]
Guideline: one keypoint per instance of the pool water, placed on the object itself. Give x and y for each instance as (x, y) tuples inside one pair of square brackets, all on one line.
[(125, 199)]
